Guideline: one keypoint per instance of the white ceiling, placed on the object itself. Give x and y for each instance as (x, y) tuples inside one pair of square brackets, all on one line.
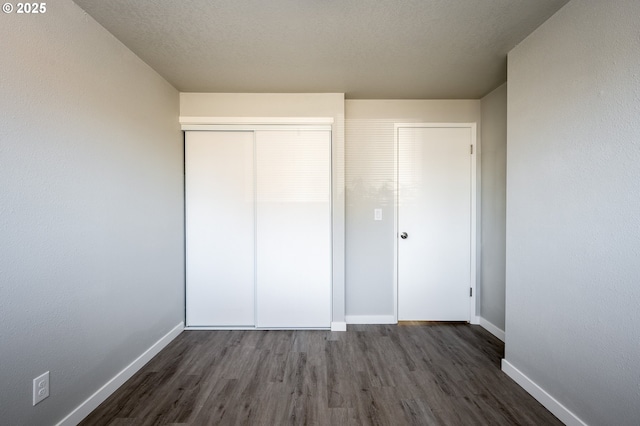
[(367, 49)]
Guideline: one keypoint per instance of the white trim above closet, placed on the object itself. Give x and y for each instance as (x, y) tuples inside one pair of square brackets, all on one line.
[(253, 127), (187, 120)]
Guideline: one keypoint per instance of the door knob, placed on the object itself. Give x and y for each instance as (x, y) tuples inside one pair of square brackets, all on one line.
[(404, 235)]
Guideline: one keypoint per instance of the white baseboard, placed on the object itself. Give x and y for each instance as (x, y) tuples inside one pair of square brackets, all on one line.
[(339, 326), (475, 320), (491, 328), (370, 319), (551, 404), (84, 409), (219, 328)]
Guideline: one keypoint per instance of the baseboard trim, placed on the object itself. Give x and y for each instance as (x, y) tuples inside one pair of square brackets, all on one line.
[(339, 326), (550, 403), (91, 403), (491, 328), (370, 319)]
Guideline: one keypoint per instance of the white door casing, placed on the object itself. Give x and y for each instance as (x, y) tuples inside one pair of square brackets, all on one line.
[(435, 264)]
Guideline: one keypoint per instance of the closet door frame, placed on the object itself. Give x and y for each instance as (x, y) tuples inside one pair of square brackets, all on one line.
[(279, 124)]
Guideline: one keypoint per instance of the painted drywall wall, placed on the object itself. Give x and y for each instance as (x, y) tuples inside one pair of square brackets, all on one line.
[(291, 105), (493, 223), (370, 183), (91, 210), (573, 203)]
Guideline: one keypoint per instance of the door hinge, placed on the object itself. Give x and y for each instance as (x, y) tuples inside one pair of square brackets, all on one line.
[(471, 149), (470, 291)]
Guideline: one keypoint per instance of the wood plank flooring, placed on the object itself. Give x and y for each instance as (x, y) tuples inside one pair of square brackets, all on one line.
[(425, 374)]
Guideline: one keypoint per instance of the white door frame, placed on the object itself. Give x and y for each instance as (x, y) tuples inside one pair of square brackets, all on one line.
[(247, 124), (473, 318)]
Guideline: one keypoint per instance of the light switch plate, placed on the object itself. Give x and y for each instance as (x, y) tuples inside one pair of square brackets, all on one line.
[(377, 214)]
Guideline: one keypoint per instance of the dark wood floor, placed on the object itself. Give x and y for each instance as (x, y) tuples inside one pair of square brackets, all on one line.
[(435, 374)]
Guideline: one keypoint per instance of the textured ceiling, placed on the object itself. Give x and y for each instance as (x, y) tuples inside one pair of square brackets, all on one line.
[(367, 49)]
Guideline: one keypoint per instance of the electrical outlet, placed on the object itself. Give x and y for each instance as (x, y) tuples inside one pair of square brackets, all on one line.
[(40, 388)]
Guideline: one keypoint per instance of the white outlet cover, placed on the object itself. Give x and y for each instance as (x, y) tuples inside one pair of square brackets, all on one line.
[(40, 388)]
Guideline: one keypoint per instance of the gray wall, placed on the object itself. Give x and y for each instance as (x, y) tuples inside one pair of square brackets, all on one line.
[(370, 183), (91, 210), (573, 210), (493, 222)]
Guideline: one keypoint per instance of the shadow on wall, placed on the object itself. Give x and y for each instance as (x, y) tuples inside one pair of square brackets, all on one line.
[(369, 249)]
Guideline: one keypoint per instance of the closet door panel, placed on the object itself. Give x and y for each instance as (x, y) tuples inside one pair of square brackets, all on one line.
[(293, 226), (220, 232)]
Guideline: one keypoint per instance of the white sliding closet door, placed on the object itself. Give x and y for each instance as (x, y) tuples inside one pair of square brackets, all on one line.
[(293, 228), (219, 180)]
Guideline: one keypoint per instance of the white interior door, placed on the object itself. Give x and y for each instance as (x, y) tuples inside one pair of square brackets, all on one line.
[(434, 213), (219, 180), (293, 226)]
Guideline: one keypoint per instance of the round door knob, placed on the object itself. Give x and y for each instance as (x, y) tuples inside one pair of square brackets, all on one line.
[(404, 235)]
